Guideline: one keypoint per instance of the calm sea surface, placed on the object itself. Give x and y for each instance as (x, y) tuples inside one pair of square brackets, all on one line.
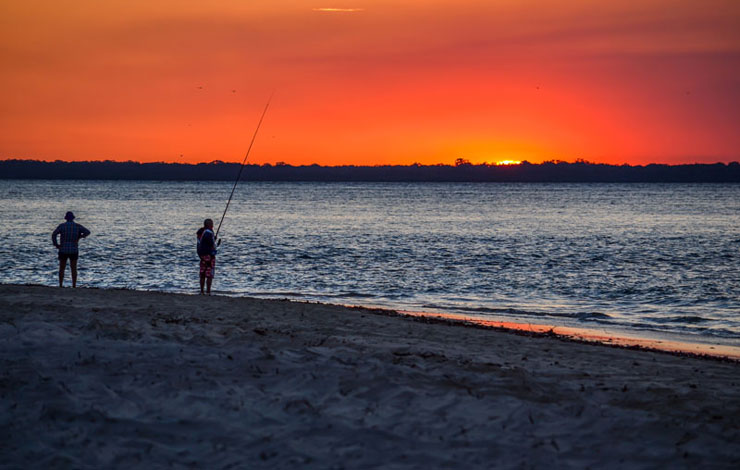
[(650, 257)]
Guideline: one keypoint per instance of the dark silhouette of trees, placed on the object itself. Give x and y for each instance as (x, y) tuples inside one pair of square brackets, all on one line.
[(462, 171)]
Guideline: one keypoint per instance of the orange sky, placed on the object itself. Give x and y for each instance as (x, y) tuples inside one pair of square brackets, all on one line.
[(404, 81)]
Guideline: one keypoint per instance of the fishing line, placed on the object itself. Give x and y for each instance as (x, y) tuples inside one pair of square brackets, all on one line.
[(241, 168)]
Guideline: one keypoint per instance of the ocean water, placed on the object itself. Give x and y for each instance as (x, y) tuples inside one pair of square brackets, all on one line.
[(641, 257)]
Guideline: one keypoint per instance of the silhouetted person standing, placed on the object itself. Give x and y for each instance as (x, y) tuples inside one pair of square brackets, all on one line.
[(207, 254), (70, 233)]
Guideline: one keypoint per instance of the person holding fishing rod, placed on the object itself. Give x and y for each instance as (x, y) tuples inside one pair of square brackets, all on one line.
[(207, 253), (207, 240)]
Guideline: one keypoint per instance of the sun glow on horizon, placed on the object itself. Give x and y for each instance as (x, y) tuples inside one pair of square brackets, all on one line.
[(508, 162)]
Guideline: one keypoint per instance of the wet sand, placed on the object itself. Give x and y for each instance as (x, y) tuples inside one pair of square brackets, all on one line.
[(650, 341), (113, 378)]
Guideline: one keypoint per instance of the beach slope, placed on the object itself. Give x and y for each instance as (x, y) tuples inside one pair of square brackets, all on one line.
[(113, 378)]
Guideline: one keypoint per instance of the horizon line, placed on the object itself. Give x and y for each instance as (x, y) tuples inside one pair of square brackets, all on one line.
[(460, 162)]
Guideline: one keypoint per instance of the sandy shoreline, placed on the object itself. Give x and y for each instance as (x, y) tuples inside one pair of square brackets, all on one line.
[(674, 344), (119, 378)]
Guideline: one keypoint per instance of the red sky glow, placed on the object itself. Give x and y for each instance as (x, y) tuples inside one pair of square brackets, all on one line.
[(371, 82)]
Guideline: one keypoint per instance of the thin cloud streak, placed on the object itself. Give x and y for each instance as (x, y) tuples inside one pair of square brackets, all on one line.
[(338, 10)]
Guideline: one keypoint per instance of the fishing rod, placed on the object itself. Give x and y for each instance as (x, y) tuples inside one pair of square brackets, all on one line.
[(241, 168)]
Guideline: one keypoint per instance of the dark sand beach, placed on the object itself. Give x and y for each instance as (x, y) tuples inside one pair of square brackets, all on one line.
[(119, 379)]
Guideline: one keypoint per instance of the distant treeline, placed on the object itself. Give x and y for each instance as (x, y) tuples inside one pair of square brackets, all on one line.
[(461, 172)]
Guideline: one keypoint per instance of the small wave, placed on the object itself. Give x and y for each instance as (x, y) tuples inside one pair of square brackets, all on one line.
[(583, 316), (594, 316), (277, 294), (510, 311), (356, 295), (693, 319), (706, 330)]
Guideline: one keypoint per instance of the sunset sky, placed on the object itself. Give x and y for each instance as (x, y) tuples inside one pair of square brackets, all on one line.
[(371, 82)]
